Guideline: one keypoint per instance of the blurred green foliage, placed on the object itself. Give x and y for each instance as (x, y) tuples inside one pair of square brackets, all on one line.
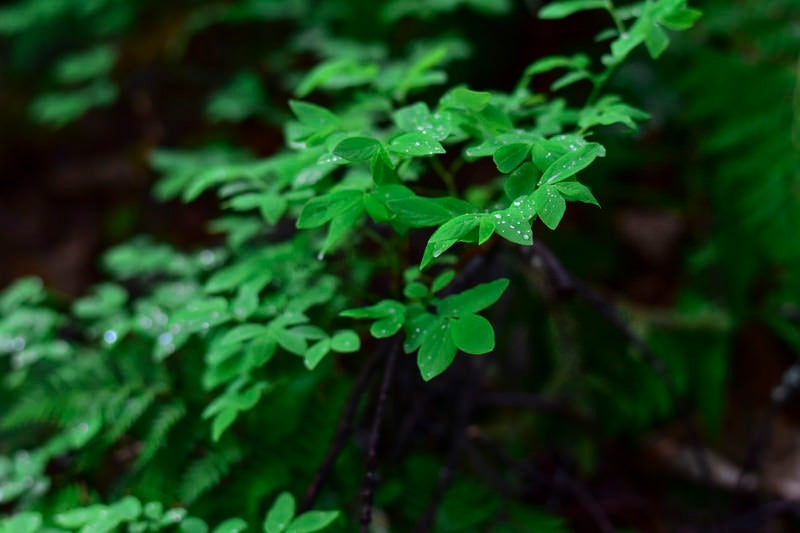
[(204, 387)]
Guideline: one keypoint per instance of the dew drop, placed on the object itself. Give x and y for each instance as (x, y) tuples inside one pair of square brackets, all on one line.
[(110, 336), (207, 257)]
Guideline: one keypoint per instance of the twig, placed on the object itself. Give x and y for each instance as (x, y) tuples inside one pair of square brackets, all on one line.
[(466, 403), (344, 427), (566, 282), (756, 520), (586, 500), (789, 384), (370, 476), (488, 472)]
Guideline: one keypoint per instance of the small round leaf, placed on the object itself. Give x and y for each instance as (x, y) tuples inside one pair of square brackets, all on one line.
[(345, 341), (472, 334)]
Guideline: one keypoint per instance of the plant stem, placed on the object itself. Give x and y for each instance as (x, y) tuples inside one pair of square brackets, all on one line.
[(446, 175), (617, 21), (371, 475)]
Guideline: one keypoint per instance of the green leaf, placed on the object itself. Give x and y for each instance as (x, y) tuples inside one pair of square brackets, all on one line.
[(27, 522), (387, 327), (416, 329), (437, 349), (316, 352), (337, 74), (242, 333), (485, 230), (357, 148), (513, 223), (576, 62), (522, 181), (625, 43), (232, 525), (472, 300), (280, 514), (84, 66), (491, 144), (76, 518), (192, 525), (448, 234), (415, 290), (472, 334), (419, 211), (290, 340), (382, 168), (572, 162), (549, 205), (345, 341), (463, 98), (656, 40), (342, 226), (510, 156), (321, 209), (569, 78), (313, 116), (382, 309), (558, 10), (682, 19), (127, 509), (272, 207), (415, 144), (28, 290), (418, 118), (222, 421), (246, 301), (610, 110), (237, 274), (442, 280), (312, 521), (576, 192)]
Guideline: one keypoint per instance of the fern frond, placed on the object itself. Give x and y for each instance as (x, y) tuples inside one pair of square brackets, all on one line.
[(207, 472), (163, 421)]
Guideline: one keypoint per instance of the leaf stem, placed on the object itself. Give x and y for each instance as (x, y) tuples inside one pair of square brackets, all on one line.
[(446, 175), (617, 21)]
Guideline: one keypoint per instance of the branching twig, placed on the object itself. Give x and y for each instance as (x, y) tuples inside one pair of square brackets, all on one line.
[(566, 282), (466, 403), (370, 476), (756, 520), (344, 427), (587, 501), (790, 382)]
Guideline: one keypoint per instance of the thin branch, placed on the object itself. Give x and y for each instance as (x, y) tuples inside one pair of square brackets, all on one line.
[(466, 403), (586, 500), (566, 282), (789, 384), (344, 427), (757, 519), (370, 476)]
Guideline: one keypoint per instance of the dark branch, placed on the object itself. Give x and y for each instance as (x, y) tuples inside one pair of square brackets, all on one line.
[(344, 427), (465, 405), (586, 500), (370, 476), (566, 283)]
